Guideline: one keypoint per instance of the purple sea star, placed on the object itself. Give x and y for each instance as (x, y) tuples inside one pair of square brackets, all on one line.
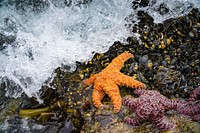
[(192, 106), (151, 104), (195, 95)]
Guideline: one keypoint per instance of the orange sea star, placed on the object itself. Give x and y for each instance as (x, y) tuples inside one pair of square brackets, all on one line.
[(107, 81)]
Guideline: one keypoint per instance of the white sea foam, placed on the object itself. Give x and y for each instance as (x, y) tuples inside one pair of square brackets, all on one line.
[(162, 10), (58, 36), (175, 8), (66, 35)]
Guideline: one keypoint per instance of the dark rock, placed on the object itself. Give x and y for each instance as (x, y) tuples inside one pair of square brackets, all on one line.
[(2, 41), (11, 88)]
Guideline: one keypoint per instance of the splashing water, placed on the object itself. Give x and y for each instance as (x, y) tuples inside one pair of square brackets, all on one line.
[(58, 36), (166, 9), (63, 32), (161, 10)]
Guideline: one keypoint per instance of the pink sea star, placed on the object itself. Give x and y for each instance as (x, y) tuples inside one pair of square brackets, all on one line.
[(151, 104)]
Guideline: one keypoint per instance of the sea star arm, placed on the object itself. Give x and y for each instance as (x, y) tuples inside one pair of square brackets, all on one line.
[(163, 123), (113, 92), (97, 96), (130, 102), (195, 95), (196, 118), (172, 104), (118, 62), (124, 80), (133, 121), (191, 109), (90, 80), (139, 92)]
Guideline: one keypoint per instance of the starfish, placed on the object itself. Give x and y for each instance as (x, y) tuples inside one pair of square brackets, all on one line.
[(151, 104), (107, 81), (192, 106)]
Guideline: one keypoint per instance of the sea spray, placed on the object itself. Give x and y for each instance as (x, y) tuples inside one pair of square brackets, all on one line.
[(161, 10), (45, 39)]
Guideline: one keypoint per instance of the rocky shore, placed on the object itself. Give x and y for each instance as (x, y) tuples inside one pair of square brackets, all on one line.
[(166, 59)]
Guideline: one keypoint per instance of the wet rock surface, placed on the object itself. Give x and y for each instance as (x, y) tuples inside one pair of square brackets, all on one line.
[(166, 59)]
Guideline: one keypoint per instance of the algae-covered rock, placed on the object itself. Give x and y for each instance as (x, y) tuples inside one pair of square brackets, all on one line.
[(9, 108)]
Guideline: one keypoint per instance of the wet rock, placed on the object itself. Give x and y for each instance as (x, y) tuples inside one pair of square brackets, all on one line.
[(2, 41), (10, 39), (6, 40), (163, 9), (9, 107), (68, 127), (18, 125), (2, 90), (141, 3), (12, 89), (104, 120)]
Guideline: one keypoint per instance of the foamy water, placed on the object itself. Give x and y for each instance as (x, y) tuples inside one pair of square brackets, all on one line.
[(64, 35), (166, 9), (58, 36)]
